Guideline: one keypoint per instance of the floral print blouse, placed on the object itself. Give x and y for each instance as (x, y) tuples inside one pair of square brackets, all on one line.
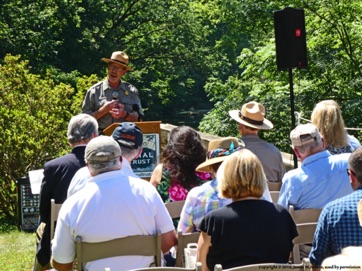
[(172, 190)]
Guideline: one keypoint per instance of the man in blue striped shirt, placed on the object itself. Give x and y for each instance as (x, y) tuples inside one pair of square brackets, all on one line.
[(338, 226)]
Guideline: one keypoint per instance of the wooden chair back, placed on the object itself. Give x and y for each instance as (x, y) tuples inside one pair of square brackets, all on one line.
[(174, 208), (141, 245), (274, 186), (275, 196), (54, 211), (304, 215), (182, 240), (306, 221)]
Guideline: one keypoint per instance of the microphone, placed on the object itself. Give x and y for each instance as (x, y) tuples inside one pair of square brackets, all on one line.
[(114, 98)]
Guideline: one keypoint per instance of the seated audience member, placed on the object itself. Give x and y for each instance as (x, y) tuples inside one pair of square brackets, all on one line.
[(204, 198), (328, 118), (130, 139), (111, 205), (338, 225), (249, 230), (176, 175), (322, 176), (350, 259), (57, 175), (251, 119)]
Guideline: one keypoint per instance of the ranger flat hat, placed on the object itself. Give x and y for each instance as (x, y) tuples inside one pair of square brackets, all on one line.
[(120, 58)]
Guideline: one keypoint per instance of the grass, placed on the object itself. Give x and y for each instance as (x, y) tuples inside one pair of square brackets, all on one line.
[(17, 250)]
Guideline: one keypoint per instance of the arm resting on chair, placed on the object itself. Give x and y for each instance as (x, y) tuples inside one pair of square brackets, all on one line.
[(168, 240)]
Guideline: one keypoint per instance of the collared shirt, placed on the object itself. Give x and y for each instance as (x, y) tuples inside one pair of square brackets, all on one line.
[(321, 179), (98, 94), (269, 156), (338, 227), (200, 201)]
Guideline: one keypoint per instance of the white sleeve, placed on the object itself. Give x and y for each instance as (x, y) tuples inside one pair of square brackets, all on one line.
[(162, 217), (63, 245)]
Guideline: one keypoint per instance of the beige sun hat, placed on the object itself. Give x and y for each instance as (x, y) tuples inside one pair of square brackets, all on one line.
[(120, 58), (218, 150), (252, 115)]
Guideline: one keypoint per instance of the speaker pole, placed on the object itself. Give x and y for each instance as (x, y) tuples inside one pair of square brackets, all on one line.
[(295, 159)]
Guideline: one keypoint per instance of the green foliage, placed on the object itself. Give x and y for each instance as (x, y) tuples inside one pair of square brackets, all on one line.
[(82, 86), (334, 72), (34, 115)]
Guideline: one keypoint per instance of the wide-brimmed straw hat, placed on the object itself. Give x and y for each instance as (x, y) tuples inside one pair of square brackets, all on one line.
[(252, 114), (218, 150), (119, 58)]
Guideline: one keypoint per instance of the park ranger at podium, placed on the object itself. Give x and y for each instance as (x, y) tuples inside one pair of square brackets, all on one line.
[(113, 100)]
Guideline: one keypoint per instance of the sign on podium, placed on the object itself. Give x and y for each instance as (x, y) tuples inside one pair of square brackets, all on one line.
[(143, 166)]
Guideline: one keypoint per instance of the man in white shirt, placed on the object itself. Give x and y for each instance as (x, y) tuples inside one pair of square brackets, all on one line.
[(111, 205), (130, 138)]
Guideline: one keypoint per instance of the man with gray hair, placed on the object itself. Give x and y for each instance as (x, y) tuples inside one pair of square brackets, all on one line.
[(111, 205), (322, 176), (130, 139), (57, 175)]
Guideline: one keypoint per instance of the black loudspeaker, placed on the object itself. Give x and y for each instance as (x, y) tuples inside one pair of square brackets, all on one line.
[(290, 40)]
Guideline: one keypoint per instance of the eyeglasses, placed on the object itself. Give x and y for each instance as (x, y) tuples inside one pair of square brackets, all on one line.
[(116, 67), (350, 172)]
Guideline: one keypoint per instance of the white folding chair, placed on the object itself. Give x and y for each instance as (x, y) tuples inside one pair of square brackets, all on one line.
[(306, 221), (182, 240), (174, 208), (275, 196), (54, 211), (274, 186)]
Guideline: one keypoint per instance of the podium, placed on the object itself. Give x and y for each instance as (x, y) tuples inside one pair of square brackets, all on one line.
[(144, 165)]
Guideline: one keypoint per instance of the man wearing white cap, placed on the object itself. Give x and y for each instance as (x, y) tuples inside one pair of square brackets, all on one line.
[(322, 176), (111, 205), (251, 119), (113, 100)]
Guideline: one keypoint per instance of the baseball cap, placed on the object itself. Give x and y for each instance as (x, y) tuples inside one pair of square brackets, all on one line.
[(304, 134), (102, 149), (128, 135)]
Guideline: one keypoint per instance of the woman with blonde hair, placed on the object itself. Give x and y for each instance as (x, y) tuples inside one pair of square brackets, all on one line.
[(327, 117), (249, 230)]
